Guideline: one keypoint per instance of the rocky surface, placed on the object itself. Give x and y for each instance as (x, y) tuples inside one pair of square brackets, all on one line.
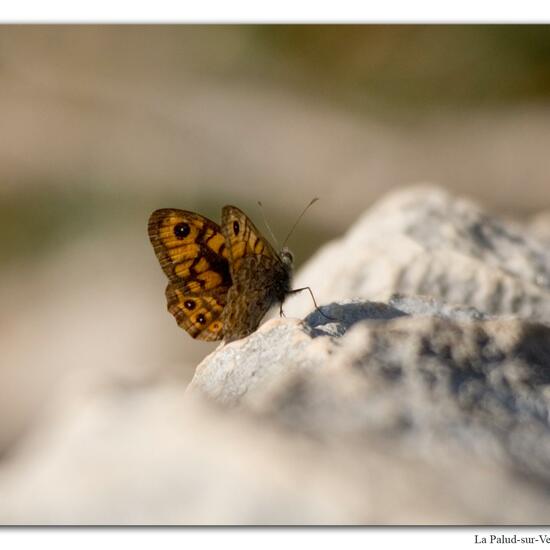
[(432, 378), (420, 396), (428, 242)]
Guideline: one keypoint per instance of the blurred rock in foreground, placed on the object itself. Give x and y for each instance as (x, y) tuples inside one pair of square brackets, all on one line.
[(430, 406)]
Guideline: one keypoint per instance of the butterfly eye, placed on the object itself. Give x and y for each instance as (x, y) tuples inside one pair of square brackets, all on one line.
[(190, 304), (236, 228), (181, 230), (286, 256)]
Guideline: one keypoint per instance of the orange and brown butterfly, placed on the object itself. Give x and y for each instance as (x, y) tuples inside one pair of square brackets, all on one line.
[(222, 279)]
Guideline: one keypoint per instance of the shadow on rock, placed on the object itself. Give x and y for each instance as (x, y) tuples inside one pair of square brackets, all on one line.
[(336, 318)]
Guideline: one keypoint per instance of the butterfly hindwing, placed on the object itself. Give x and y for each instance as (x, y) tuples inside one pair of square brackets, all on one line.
[(199, 315)]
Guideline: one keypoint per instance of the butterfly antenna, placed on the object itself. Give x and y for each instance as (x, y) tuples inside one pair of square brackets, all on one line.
[(299, 218), (267, 225)]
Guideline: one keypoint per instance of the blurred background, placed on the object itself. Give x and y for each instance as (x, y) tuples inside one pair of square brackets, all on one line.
[(103, 124)]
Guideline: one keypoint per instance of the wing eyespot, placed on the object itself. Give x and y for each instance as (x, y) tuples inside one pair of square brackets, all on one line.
[(190, 304), (181, 230), (236, 228), (201, 319)]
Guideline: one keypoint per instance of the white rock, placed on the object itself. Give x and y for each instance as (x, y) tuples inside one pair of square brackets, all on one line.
[(425, 241), (419, 409)]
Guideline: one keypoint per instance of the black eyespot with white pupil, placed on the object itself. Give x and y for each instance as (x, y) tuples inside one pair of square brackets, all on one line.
[(236, 228), (182, 230), (189, 304), (201, 319)]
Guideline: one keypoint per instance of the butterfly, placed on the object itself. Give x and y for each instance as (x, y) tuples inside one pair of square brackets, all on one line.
[(222, 278)]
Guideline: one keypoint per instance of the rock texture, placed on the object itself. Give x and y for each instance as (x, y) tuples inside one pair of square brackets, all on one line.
[(441, 383), (418, 395), (425, 241)]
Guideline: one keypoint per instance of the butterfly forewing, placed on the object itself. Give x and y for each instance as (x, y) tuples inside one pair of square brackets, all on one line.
[(256, 272), (242, 237), (192, 252)]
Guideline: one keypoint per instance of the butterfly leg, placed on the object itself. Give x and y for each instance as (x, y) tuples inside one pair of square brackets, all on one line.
[(314, 302), (281, 312)]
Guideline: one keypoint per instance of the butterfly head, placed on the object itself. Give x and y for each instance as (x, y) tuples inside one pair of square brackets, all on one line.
[(287, 257)]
